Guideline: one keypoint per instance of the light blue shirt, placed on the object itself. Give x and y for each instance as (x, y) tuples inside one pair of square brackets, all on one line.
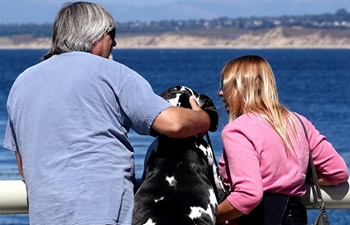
[(70, 116)]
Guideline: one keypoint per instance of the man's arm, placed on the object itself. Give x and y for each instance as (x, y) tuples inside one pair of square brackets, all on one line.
[(178, 122), (19, 163)]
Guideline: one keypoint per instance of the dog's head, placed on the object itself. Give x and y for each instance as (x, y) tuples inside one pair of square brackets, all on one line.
[(179, 96)]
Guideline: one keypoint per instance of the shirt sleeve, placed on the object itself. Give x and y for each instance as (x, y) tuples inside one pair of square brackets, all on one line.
[(244, 171), (9, 139), (140, 103), (327, 161)]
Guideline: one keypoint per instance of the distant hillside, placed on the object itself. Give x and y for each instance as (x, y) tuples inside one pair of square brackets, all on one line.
[(280, 37), (307, 31)]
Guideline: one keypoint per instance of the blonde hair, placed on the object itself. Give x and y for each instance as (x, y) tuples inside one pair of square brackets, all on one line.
[(249, 86)]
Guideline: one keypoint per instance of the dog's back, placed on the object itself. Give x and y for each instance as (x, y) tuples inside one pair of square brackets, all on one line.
[(180, 182)]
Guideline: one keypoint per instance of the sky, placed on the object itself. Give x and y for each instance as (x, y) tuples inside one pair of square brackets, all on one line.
[(44, 11)]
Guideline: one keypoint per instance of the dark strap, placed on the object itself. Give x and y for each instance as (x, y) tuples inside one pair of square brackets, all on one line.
[(225, 190), (212, 150), (313, 170)]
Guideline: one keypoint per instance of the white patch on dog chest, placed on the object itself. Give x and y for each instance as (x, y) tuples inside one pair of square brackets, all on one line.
[(207, 151), (150, 222), (213, 200), (197, 212), (171, 180), (174, 101), (159, 199)]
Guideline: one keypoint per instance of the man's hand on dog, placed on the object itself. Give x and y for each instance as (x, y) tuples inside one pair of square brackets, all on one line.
[(195, 107)]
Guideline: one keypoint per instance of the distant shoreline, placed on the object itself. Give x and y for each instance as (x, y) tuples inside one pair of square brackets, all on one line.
[(277, 38)]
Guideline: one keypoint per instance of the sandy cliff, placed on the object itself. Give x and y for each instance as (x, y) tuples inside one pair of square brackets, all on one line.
[(274, 38)]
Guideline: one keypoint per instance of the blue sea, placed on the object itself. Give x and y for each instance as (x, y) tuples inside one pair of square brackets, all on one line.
[(312, 82)]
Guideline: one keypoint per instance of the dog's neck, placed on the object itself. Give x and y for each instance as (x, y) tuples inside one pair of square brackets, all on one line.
[(174, 147)]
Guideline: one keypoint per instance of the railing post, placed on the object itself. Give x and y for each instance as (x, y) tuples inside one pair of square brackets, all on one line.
[(13, 197)]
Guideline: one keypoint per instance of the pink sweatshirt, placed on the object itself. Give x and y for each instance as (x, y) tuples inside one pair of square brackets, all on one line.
[(257, 161)]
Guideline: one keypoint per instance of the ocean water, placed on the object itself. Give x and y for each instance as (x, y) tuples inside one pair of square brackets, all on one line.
[(314, 83)]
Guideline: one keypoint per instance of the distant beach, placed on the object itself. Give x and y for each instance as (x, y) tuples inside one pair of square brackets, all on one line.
[(277, 38)]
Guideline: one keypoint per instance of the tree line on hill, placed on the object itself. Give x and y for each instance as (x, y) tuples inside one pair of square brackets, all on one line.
[(339, 20)]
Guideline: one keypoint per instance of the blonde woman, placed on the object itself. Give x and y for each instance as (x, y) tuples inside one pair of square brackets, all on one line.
[(265, 157)]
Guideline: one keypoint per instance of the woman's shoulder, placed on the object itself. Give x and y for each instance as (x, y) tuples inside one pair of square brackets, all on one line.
[(249, 119), (248, 123), (252, 127), (300, 118)]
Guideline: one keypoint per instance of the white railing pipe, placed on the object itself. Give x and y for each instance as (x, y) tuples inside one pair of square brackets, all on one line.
[(13, 197)]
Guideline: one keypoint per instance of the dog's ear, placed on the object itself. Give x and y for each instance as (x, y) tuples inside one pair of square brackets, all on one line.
[(208, 106), (170, 93), (181, 96)]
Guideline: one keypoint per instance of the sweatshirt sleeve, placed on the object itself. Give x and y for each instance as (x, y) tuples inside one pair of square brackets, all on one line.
[(244, 170), (327, 161)]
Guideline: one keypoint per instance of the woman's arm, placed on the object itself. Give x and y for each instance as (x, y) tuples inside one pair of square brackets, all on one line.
[(227, 212), (330, 166)]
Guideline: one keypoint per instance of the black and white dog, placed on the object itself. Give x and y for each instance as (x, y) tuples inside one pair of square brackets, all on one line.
[(181, 184)]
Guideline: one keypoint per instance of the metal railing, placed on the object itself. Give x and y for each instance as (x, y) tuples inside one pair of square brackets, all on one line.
[(13, 197)]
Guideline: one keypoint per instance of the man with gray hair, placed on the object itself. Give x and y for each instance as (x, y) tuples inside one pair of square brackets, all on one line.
[(69, 117)]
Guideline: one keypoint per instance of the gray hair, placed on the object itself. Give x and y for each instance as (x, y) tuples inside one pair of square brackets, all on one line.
[(78, 26)]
